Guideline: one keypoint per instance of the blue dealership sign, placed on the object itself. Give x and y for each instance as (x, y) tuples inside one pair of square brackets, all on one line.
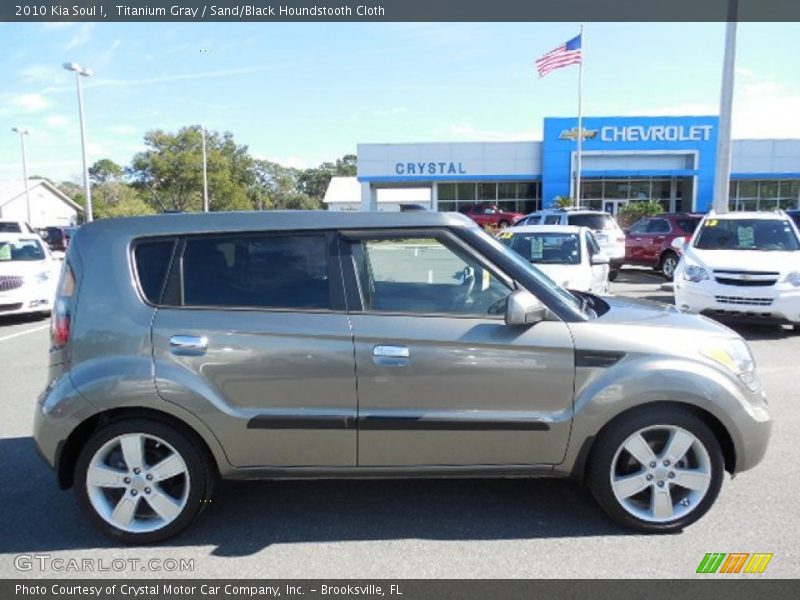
[(613, 141)]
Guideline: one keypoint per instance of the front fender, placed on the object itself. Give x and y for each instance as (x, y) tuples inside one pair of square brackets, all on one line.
[(638, 380)]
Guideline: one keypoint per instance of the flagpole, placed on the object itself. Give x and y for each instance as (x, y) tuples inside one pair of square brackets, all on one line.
[(580, 126)]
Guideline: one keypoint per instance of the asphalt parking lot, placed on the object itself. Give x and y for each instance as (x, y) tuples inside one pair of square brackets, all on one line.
[(408, 529)]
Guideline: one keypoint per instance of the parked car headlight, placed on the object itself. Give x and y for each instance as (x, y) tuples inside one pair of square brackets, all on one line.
[(695, 273), (794, 278), (734, 355)]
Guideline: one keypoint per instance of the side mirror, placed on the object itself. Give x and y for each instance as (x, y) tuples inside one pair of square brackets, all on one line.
[(523, 308), (679, 243), (600, 259)]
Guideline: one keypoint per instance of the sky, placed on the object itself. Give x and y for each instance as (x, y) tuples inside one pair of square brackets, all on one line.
[(304, 93)]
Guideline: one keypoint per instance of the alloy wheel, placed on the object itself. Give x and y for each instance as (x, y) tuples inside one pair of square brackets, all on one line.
[(138, 483), (668, 267), (661, 473)]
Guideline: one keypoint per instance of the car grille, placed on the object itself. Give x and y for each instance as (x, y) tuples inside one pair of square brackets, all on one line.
[(747, 278), (10, 307), (743, 300), (10, 282)]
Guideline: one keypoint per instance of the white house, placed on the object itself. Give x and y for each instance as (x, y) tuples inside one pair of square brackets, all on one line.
[(49, 205), (344, 193)]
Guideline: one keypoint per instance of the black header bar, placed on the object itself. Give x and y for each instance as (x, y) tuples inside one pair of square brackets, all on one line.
[(399, 10)]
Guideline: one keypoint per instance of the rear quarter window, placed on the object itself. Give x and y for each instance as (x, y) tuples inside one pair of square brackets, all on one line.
[(152, 258), (595, 222)]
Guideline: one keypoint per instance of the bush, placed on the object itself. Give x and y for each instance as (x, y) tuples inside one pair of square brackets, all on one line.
[(638, 209), (564, 202)]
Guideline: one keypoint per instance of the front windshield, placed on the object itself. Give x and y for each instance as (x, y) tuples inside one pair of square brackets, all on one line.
[(565, 296), (545, 248), (21, 250), (747, 234)]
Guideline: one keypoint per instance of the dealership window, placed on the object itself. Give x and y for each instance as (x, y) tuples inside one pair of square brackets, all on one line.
[(522, 197), (764, 194)]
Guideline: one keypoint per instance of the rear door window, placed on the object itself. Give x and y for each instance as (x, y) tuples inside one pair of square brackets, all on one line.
[(658, 226), (257, 270), (152, 262)]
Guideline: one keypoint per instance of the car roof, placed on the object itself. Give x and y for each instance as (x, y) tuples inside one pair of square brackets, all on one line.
[(272, 220), (759, 215), (546, 229)]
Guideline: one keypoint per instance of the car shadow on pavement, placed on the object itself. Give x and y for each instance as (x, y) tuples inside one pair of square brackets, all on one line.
[(246, 517)]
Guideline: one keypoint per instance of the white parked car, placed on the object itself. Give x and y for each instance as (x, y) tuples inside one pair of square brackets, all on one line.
[(28, 274), (744, 265), (606, 230), (568, 255)]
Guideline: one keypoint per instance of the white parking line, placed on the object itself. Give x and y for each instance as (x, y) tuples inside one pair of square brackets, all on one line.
[(27, 331)]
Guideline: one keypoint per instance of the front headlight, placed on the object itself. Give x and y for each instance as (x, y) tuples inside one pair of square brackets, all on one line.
[(695, 273), (793, 278), (734, 355)]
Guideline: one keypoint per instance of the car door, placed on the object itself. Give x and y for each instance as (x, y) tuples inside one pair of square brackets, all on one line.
[(657, 231), (252, 337), (441, 379), (599, 272), (634, 241)]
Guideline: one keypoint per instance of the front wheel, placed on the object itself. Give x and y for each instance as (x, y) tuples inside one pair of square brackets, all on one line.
[(668, 264), (142, 481), (657, 470)]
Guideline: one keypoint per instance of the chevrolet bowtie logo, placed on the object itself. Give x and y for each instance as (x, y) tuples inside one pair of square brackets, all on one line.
[(572, 134)]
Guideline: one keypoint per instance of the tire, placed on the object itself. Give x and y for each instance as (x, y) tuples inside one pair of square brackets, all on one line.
[(701, 466), (669, 261), (177, 500)]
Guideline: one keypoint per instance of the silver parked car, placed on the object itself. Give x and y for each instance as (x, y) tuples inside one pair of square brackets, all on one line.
[(312, 344)]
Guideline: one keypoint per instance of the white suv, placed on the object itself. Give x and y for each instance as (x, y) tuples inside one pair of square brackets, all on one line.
[(743, 265), (606, 230)]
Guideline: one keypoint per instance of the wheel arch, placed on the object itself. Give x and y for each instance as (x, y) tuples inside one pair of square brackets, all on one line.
[(721, 433), (72, 445)]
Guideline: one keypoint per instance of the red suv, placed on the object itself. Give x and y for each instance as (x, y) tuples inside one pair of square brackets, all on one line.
[(649, 241), (491, 215)]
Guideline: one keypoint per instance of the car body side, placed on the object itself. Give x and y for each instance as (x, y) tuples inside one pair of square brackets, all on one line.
[(111, 356)]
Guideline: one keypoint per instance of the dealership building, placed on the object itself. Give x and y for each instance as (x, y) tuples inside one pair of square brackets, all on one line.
[(670, 159)]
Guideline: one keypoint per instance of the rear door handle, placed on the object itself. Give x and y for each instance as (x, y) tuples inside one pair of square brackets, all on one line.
[(188, 345), (391, 356)]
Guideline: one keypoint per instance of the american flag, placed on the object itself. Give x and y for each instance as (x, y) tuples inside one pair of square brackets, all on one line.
[(568, 53)]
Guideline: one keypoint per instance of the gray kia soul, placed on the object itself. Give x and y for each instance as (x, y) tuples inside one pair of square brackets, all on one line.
[(316, 344)]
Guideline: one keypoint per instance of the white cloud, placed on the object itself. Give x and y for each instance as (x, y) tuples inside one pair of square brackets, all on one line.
[(81, 37), (465, 131), (23, 103), (122, 129), (37, 74), (57, 121)]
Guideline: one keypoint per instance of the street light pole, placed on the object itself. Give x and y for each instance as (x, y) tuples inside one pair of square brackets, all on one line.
[(205, 170), (83, 72), (22, 133), (722, 176)]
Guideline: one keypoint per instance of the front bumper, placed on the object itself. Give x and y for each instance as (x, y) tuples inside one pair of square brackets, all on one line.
[(27, 299), (775, 304)]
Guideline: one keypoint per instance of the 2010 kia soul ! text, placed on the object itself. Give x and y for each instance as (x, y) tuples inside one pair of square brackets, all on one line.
[(310, 344)]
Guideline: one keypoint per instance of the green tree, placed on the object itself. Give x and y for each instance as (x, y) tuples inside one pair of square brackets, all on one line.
[(116, 199), (638, 209), (313, 182), (105, 170), (170, 171)]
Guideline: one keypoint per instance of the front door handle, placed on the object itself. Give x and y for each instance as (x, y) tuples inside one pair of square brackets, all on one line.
[(391, 351), (188, 345), (391, 356)]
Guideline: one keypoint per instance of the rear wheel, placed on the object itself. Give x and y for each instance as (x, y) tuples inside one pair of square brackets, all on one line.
[(669, 261), (657, 470), (142, 481)]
